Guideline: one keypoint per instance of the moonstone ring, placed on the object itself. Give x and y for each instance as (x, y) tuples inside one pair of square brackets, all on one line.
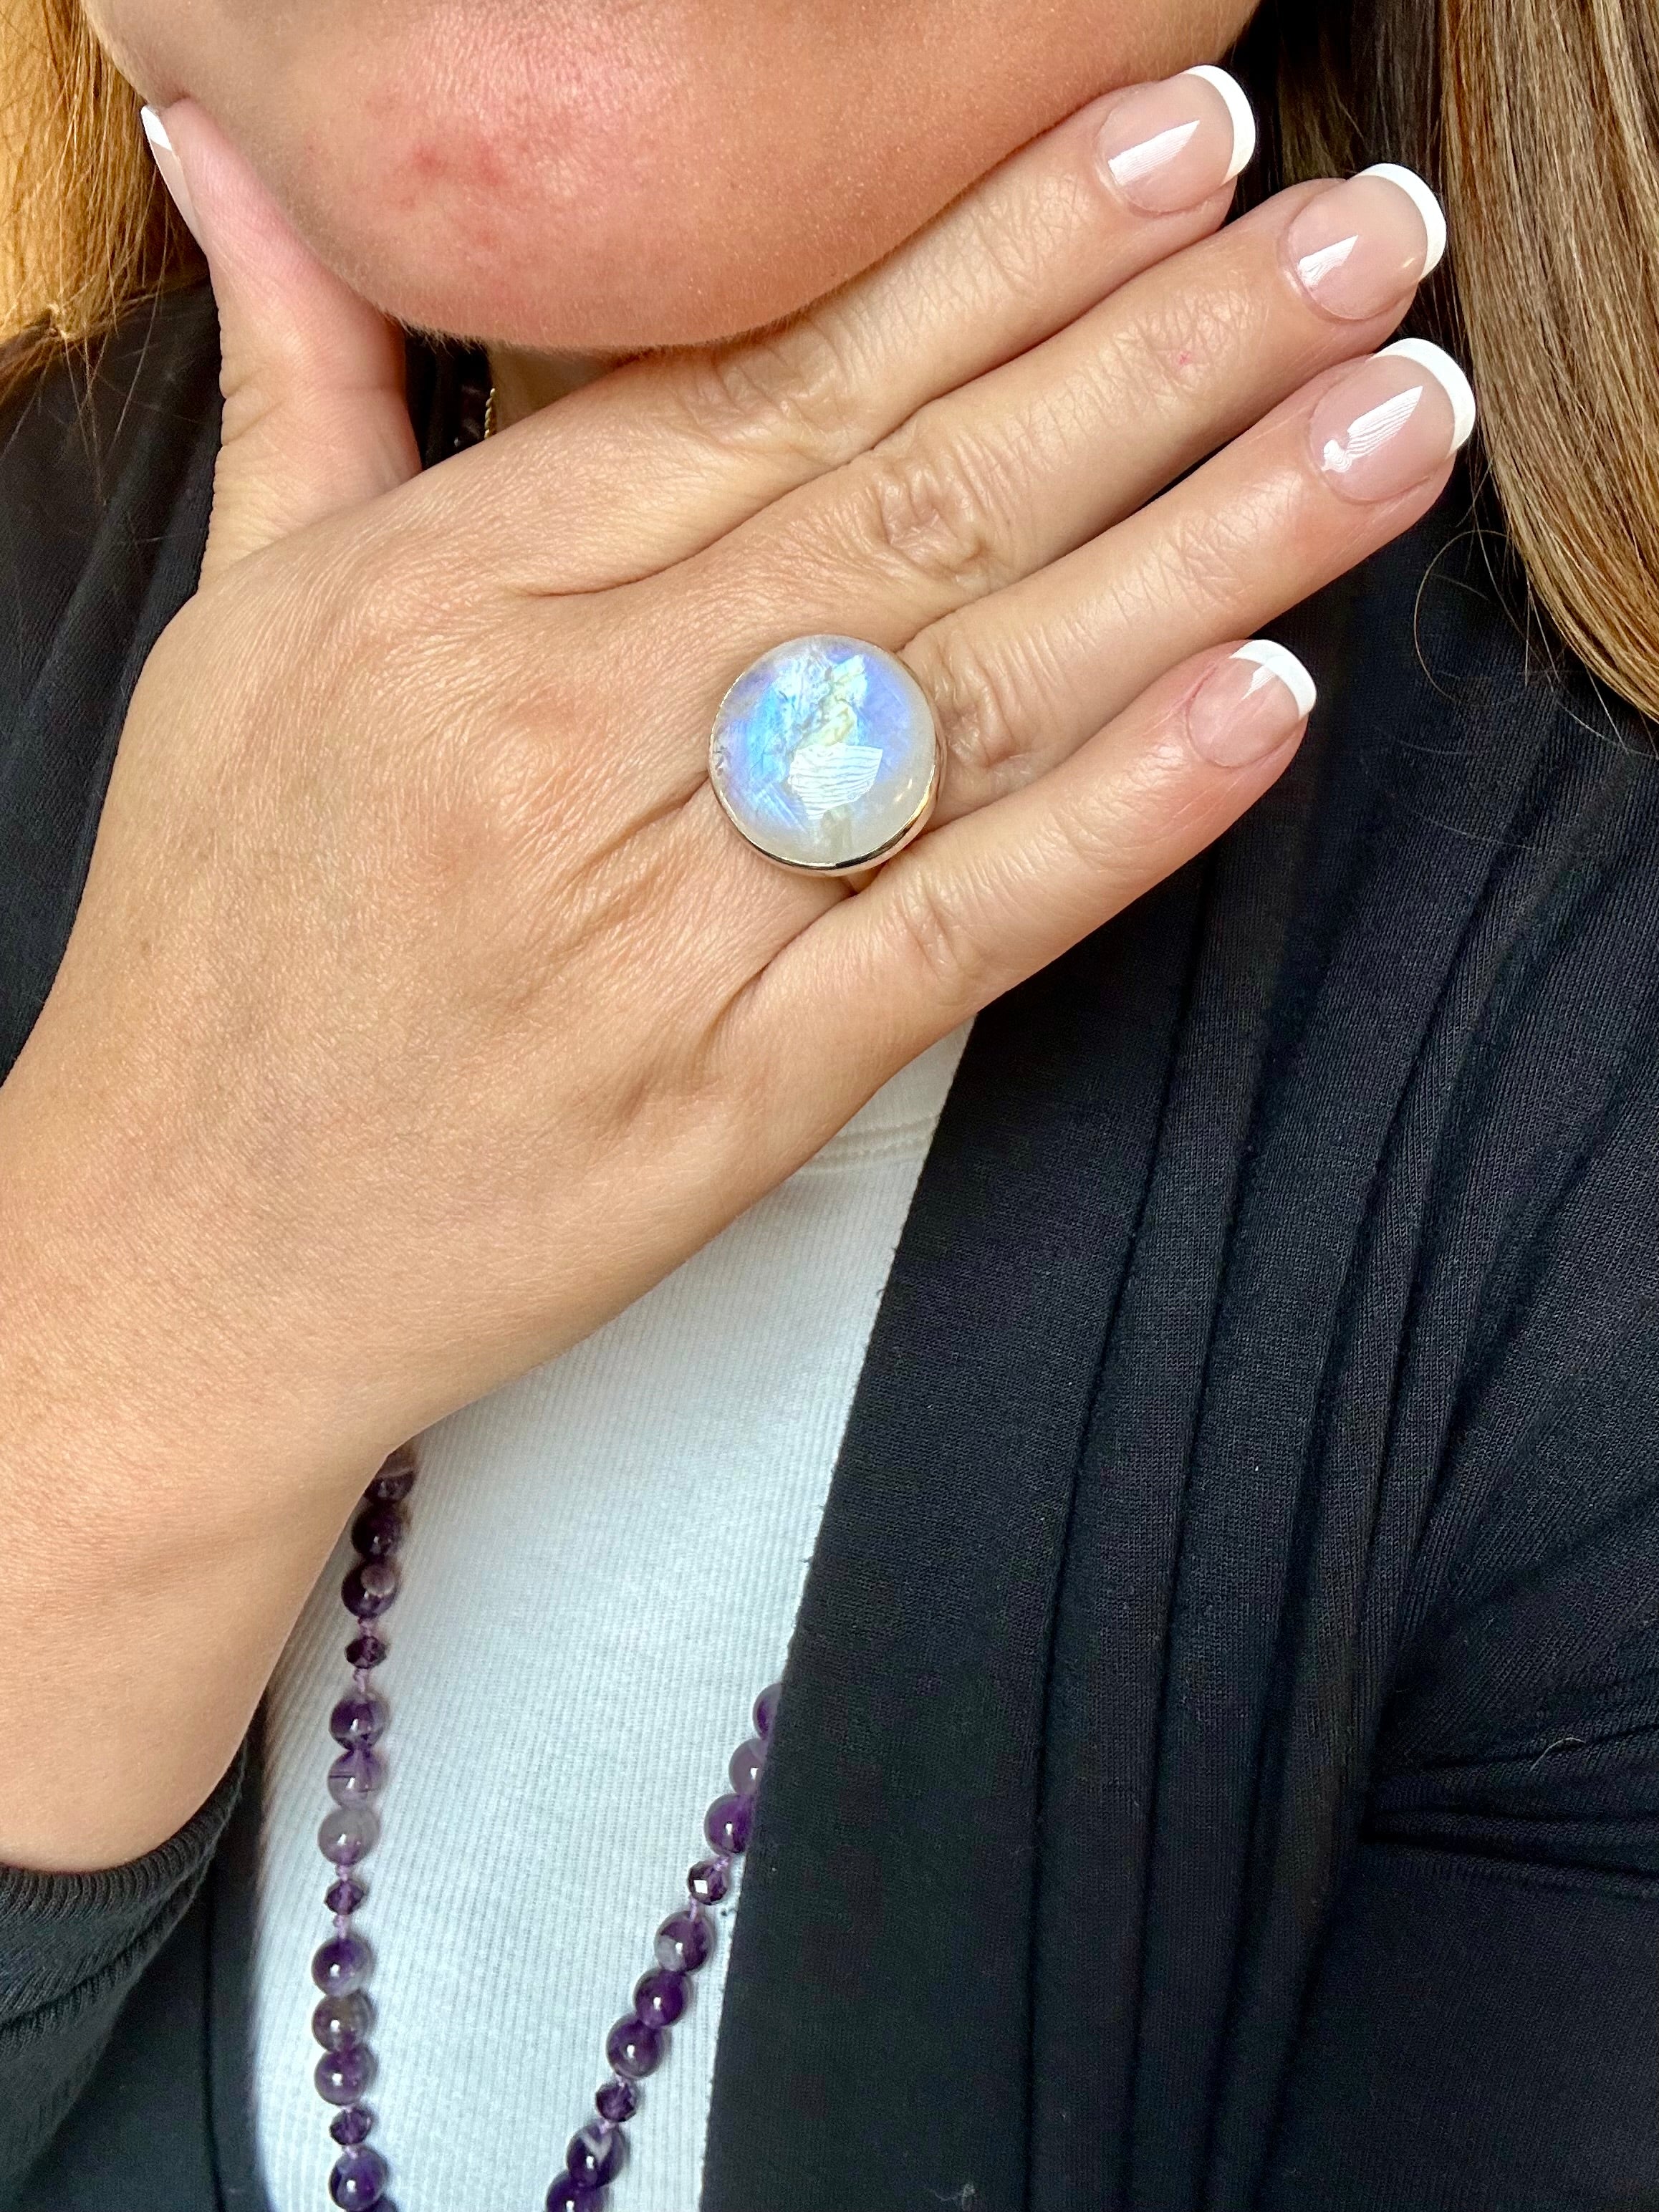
[(825, 755)]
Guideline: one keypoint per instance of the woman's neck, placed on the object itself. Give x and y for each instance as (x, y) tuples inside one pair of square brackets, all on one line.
[(525, 382)]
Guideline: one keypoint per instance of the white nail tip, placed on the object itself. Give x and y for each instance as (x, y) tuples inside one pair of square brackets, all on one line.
[(1424, 200), (1447, 375), (1285, 666), (1239, 108), (154, 129)]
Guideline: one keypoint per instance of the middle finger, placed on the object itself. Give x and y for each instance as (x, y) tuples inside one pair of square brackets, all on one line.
[(984, 487)]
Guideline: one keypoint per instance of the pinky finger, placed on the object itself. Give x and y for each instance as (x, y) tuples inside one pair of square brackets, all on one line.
[(972, 910)]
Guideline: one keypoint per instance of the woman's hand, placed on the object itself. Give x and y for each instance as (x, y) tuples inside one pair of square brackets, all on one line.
[(422, 1008)]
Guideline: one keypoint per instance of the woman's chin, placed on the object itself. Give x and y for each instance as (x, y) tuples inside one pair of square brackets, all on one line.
[(662, 272), (578, 176), (572, 236)]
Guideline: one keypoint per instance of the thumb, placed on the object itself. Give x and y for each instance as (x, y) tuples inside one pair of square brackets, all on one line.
[(315, 417)]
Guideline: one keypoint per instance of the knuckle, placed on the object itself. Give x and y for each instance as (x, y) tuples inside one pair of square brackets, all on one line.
[(790, 392), (491, 799), (383, 597), (499, 845), (475, 769), (937, 942), (934, 516), (373, 611), (348, 630), (986, 705)]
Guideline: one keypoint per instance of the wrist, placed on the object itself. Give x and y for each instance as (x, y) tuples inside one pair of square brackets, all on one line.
[(141, 1345), (164, 1519)]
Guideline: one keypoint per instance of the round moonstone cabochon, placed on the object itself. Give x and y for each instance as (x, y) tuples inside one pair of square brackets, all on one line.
[(824, 753)]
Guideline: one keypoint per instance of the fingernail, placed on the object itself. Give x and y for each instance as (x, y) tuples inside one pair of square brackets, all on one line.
[(1248, 704), (1363, 245), (1392, 421), (1173, 145), (167, 162)]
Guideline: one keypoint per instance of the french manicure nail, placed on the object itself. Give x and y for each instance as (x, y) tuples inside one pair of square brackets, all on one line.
[(172, 175), (1362, 246), (1426, 202), (1391, 421), (1248, 704), (1173, 145)]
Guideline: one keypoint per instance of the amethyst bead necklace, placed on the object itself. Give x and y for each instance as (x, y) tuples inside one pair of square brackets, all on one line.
[(344, 2015)]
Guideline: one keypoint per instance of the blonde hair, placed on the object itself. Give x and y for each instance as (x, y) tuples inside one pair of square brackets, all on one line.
[(1536, 119), (86, 229)]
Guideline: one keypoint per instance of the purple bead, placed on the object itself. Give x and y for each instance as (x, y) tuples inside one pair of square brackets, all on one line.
[(344, 1896), (659, 1997), (684, 1942), (356, 1774), (353, 2125), (727, 1825), (350, 1834), (596, 2155), (358, 2180), (766, 1710), (746, 1763), (377, 1532), (395, 1477), (369, 1589), (340, 2021), (634, 2049), (342, 1965), (617, 2100), (359, 1719), (569, 2194), (709, 1879), (367, 1650), (342, 2076)]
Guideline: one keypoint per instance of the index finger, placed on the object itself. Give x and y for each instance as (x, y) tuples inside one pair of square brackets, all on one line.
[(665, 455)]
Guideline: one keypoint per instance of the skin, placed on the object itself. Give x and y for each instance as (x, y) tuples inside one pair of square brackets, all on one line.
[(586, 176), (421, 1009)]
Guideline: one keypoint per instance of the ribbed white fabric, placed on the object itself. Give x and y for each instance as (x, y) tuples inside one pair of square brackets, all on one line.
[(604, 1567)]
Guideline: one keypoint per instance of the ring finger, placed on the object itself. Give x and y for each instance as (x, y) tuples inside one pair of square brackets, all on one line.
[(1021, 683), (991, 488)]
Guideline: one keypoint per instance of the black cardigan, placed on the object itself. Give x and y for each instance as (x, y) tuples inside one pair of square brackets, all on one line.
[(1219, 1766)]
